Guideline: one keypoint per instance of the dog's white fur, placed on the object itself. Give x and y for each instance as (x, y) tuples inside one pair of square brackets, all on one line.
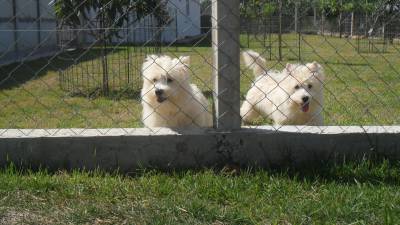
[(181, 104), (279, 95)]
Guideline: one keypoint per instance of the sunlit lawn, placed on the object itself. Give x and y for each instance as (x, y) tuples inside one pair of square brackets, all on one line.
[(360, 88), (363, 193)]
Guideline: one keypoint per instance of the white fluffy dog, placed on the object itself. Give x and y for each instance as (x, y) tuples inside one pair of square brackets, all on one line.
[(293, 96), (168, 97)]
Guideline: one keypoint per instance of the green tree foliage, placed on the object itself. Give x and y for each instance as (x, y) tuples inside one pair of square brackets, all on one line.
[(336, 6), (257, 8), (205, 5), (333, 7), (111, 13)]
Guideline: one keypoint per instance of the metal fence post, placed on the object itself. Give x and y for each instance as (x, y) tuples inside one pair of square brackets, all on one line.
[(280, 31), (38, 22), (296, 17), (15, 26), (226, 69)]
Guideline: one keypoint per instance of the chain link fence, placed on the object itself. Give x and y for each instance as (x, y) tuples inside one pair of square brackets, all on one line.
[(118, 64), (348, 55)]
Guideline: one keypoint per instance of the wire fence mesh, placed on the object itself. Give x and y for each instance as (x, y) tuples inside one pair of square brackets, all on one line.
[(151, 64)]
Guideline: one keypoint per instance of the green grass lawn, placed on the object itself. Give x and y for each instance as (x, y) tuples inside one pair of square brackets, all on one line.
[(363, 193), (361, 89)]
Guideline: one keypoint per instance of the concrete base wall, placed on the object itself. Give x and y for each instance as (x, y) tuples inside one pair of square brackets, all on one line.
[(132, 149)]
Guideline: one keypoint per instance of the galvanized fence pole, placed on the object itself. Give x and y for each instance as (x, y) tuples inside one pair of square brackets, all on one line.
[(226, 69), (38, 22), (280, 31), (15, 25)]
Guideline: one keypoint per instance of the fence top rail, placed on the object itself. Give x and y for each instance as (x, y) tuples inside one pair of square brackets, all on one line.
[(115, 132)]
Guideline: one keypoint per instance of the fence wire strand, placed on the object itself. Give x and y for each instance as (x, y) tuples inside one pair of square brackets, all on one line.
[(61, 69)]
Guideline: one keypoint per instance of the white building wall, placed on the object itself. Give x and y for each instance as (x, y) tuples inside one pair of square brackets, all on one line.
[(188, 16), (32, 32), (28, 34), (27, 24), (48, 25), (6, 27), (185, 22)]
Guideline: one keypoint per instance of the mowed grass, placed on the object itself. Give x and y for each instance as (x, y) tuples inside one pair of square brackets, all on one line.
[(361, 88), (363, 193)]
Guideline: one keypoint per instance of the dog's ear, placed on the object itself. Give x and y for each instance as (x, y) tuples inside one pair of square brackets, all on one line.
[(314, 66), (181, 64), (185, 60), (289, 67), (317, 69), (148, 62)]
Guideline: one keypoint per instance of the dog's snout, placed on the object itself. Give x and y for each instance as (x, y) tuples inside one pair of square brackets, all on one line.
[(305, 98), (159, 92)]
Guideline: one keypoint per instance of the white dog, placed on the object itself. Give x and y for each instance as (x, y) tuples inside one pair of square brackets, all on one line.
[(168, 97), (293, 96)]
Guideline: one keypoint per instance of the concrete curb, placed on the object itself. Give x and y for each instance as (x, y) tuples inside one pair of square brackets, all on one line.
[(132, 149)]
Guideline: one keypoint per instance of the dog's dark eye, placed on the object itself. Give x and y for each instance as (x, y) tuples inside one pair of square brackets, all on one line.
[(154, 80), (309, 86), (296, 87), (169, 80)]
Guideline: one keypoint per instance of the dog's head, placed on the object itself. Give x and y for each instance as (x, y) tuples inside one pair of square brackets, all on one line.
[(304, 85), (164, 78)]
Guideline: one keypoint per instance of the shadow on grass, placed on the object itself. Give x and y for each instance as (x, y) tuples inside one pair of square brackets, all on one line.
[(366, 171), (208, 94), (352, 172), (16, 74), (126, 93), (369, 171), (346, 63), (374, 169)]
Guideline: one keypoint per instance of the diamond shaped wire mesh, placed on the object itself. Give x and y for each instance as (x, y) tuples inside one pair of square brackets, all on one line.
[(130, 71), (356, 50)]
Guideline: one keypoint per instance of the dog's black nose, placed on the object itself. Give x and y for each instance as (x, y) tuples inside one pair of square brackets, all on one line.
[(159, 92), (305, 98)]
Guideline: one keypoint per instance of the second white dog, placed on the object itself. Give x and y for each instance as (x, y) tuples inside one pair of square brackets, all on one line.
[(293, 96), (168, 97)]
